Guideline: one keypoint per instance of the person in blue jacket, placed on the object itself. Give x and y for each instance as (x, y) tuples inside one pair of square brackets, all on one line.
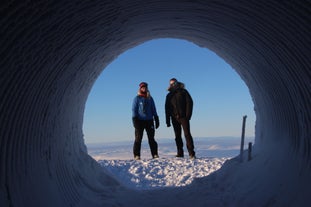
[(144, 115)]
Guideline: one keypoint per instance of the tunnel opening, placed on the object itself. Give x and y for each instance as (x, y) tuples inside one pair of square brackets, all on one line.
[(52, 53), (215, 91), (220, 96)]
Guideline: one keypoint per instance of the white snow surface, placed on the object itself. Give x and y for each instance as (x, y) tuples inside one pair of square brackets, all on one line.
[(205, 181), (162, 172), (166, 171), (168, 180)]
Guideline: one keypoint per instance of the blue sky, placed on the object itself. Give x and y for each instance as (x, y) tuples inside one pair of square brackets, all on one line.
[(220, 96)]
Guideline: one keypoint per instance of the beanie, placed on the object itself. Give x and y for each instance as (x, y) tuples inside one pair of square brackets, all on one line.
[(143, 84)]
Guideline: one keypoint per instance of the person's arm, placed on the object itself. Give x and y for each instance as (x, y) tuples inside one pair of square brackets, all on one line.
[(155, 114), (168, 110), (189, 107), (135, 112)]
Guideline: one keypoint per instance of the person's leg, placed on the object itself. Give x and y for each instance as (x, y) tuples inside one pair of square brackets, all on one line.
[(152, 143), (138, 138), (178, 138), (189, 140)]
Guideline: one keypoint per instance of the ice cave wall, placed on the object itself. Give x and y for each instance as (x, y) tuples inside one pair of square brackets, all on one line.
[(53, 51)]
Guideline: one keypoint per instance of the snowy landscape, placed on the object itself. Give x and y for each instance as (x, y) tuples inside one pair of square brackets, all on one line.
[(217, 178), (167, 171), (168, 180)]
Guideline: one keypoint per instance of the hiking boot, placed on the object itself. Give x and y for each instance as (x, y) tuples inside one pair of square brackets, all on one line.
[(192, 157), (137, 157), (179, 155), (155, 156)]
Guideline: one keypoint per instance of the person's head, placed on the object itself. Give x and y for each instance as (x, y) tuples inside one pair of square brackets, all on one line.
[(143, 87), (173, 84), (173, 81)]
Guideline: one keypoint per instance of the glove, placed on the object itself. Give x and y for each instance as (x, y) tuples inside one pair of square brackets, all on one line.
[(157, 123), (135, 122)]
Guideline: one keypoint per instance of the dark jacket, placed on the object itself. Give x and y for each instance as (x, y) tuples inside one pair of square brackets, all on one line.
[(178, 103)]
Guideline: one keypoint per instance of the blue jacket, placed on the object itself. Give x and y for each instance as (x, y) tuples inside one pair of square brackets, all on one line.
[(144, 108)]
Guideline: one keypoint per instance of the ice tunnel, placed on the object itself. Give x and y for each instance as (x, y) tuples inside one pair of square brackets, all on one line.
[(53, 51)]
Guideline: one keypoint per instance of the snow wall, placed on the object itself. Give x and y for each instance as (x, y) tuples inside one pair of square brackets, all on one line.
[(53, 51)]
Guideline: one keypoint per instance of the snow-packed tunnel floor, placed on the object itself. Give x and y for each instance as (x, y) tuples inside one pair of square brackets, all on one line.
[(167, 171), (170, 181)]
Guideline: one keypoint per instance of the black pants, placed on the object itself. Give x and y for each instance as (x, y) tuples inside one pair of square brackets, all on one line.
[(185, 124), (139, 131)]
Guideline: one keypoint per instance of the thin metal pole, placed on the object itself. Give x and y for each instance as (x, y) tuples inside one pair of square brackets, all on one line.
[(242, 139)]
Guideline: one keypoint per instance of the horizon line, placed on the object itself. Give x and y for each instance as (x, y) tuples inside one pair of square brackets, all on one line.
[(165, 138)]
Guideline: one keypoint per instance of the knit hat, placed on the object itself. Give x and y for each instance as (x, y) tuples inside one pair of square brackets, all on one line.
[(143, 84)]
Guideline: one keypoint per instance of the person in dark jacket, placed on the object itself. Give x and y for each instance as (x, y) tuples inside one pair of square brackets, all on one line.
[(144, 114), (178, 109)]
